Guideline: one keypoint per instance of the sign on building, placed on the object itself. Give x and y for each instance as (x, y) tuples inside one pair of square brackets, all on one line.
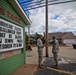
[(11, 36)]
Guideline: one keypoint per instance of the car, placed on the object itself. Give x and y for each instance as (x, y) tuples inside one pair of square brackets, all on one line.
[(74, 46)]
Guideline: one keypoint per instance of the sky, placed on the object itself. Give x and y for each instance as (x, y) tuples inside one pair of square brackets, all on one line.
[(61, 18)]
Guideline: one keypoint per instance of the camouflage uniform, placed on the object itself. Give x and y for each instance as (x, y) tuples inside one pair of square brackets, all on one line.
[(55, 51), (40, 51)]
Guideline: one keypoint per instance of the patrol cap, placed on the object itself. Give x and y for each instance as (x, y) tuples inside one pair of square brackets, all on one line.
[(54, 36)]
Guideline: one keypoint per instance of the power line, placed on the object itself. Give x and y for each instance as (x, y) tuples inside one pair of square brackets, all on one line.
[(26, 1), (48, 4), (37, 3), (31, 2)]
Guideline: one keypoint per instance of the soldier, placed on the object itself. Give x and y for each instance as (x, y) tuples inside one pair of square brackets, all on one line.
[(40, 50), (55, 50)]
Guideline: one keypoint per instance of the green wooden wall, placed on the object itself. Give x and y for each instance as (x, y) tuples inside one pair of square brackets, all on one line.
[(5, 4), (12, 63)]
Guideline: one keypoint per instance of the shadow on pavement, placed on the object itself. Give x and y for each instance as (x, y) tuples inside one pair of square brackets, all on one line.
[(49, 62)]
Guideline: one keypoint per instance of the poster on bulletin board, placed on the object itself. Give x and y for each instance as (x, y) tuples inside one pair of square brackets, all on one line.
[(11, 36)]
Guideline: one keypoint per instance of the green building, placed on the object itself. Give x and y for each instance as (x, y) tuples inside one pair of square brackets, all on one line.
[(12, 36)]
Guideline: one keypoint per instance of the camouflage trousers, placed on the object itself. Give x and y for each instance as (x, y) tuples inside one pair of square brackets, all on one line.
[(55, 58), (40, 56)]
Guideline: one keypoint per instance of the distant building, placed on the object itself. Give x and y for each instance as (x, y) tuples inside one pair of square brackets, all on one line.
[(62, 37)]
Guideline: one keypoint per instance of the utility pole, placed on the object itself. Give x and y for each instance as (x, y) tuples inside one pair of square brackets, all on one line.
[(46, 20)]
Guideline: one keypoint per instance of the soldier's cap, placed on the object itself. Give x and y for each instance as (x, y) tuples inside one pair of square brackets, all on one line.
[(54, 36)]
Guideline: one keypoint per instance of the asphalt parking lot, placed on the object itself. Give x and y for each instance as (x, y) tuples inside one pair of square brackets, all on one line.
[(67, 63), (66, 52)]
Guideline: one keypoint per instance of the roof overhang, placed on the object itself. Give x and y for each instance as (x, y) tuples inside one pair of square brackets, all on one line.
[(20, 11)]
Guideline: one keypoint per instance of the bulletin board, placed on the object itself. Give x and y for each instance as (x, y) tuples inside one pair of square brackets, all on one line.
[(11, 36)]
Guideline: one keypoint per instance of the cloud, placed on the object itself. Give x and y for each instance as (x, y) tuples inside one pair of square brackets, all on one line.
[(38, 20), (61, 17)]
